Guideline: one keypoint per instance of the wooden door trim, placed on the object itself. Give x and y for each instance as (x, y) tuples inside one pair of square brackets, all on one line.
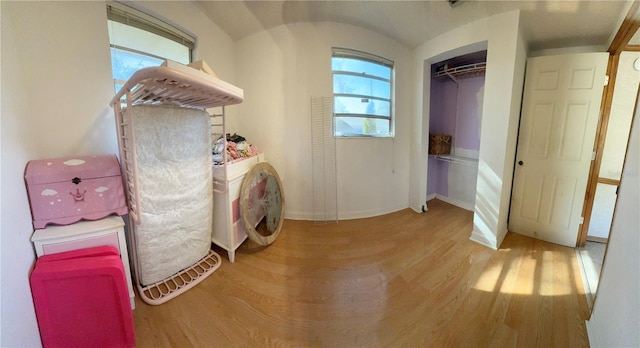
[(598, 146), (632, 48), (624, 162), (628, 28), (608, 181)]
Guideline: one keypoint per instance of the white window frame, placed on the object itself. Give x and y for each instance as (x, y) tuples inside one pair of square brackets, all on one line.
[(132, 17), (337, 52)]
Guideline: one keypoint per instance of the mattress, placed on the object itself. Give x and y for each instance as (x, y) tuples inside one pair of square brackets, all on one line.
[(173, 149)]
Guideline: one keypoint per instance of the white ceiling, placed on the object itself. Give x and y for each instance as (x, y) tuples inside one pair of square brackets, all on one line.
[(547, 24)]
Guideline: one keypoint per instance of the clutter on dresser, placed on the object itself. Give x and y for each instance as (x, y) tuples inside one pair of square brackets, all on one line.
[(237, 148)]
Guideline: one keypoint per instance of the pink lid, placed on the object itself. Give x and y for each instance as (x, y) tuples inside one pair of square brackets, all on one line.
[(66, 168), (81, 300), (103, 250)]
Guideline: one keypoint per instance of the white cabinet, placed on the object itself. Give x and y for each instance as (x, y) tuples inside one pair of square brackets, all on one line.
[(228, 228), (85, 234)]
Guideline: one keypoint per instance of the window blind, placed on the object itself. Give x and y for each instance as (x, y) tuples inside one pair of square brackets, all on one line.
[(118, 12), (349, 53)]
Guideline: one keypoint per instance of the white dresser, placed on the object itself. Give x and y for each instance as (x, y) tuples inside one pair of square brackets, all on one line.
[(228, 228), (86, 234)]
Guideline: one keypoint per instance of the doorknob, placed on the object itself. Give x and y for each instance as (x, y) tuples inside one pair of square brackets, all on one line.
[(520, 163)]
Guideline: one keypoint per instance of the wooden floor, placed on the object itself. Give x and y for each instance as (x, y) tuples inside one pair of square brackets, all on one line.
[(403, 279)]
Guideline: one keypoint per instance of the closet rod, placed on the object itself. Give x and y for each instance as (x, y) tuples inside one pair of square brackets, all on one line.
[(457, 159)]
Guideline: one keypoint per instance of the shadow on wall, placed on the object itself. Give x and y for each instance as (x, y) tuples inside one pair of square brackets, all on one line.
[(485, 219), (100, 138)]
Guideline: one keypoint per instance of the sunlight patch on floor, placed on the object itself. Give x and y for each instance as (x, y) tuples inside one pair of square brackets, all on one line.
[(591, 257), (546, 275), (489, 279)]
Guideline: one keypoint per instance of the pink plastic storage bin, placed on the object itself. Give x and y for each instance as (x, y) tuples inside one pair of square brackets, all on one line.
[(65, 190), (81, 299)]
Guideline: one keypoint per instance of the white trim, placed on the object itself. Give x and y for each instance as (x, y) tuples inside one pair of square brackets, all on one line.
[(341, 52), (585, 282), (418, 209), (457, 203), (142, 15), (479, 238), (297, 215), (368, 213), (567, 50), (345, 215)]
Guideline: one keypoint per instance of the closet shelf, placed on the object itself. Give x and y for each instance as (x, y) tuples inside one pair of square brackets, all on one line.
[(463, 71), (177, 85), (457, 159)]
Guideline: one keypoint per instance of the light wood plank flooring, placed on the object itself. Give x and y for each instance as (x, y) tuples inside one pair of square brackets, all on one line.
[(403, 279)]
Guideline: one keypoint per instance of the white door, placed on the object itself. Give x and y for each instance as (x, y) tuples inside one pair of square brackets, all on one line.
[(560, 109)]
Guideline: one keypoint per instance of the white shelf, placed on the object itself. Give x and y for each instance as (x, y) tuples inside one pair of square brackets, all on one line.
[(463, 71), (179, 86), (456, 159)]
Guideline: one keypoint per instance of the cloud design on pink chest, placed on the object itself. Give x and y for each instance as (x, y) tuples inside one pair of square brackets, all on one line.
[(73, 162), (49, 192)]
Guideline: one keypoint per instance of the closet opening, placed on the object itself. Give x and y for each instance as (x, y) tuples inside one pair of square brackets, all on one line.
[(456, 95)]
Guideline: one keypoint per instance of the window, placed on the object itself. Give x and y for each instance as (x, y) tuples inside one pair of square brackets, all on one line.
[(362, 94), (139, 40)]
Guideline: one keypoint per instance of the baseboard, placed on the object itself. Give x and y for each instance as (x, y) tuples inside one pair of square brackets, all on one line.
[(585, 282), (368, 213), (307, 216), (419, 209), (343, 215), (501, 238), (457, 203), (598, 239), (479, 238)]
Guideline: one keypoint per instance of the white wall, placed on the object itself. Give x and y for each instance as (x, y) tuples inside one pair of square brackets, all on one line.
[(56, 87), (0, 182), (615, 146), (213, 45), (603, 206), (615, 321), (506, 57), (282, 68), (624, 94)]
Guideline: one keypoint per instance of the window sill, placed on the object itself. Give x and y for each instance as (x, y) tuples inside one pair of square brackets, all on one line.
[(390, 137)]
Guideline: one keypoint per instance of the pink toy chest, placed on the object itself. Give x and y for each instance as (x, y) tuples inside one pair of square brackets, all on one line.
[(65, 190), (81, 299)]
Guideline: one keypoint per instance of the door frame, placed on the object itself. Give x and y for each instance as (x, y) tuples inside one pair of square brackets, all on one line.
[(628, 28)]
